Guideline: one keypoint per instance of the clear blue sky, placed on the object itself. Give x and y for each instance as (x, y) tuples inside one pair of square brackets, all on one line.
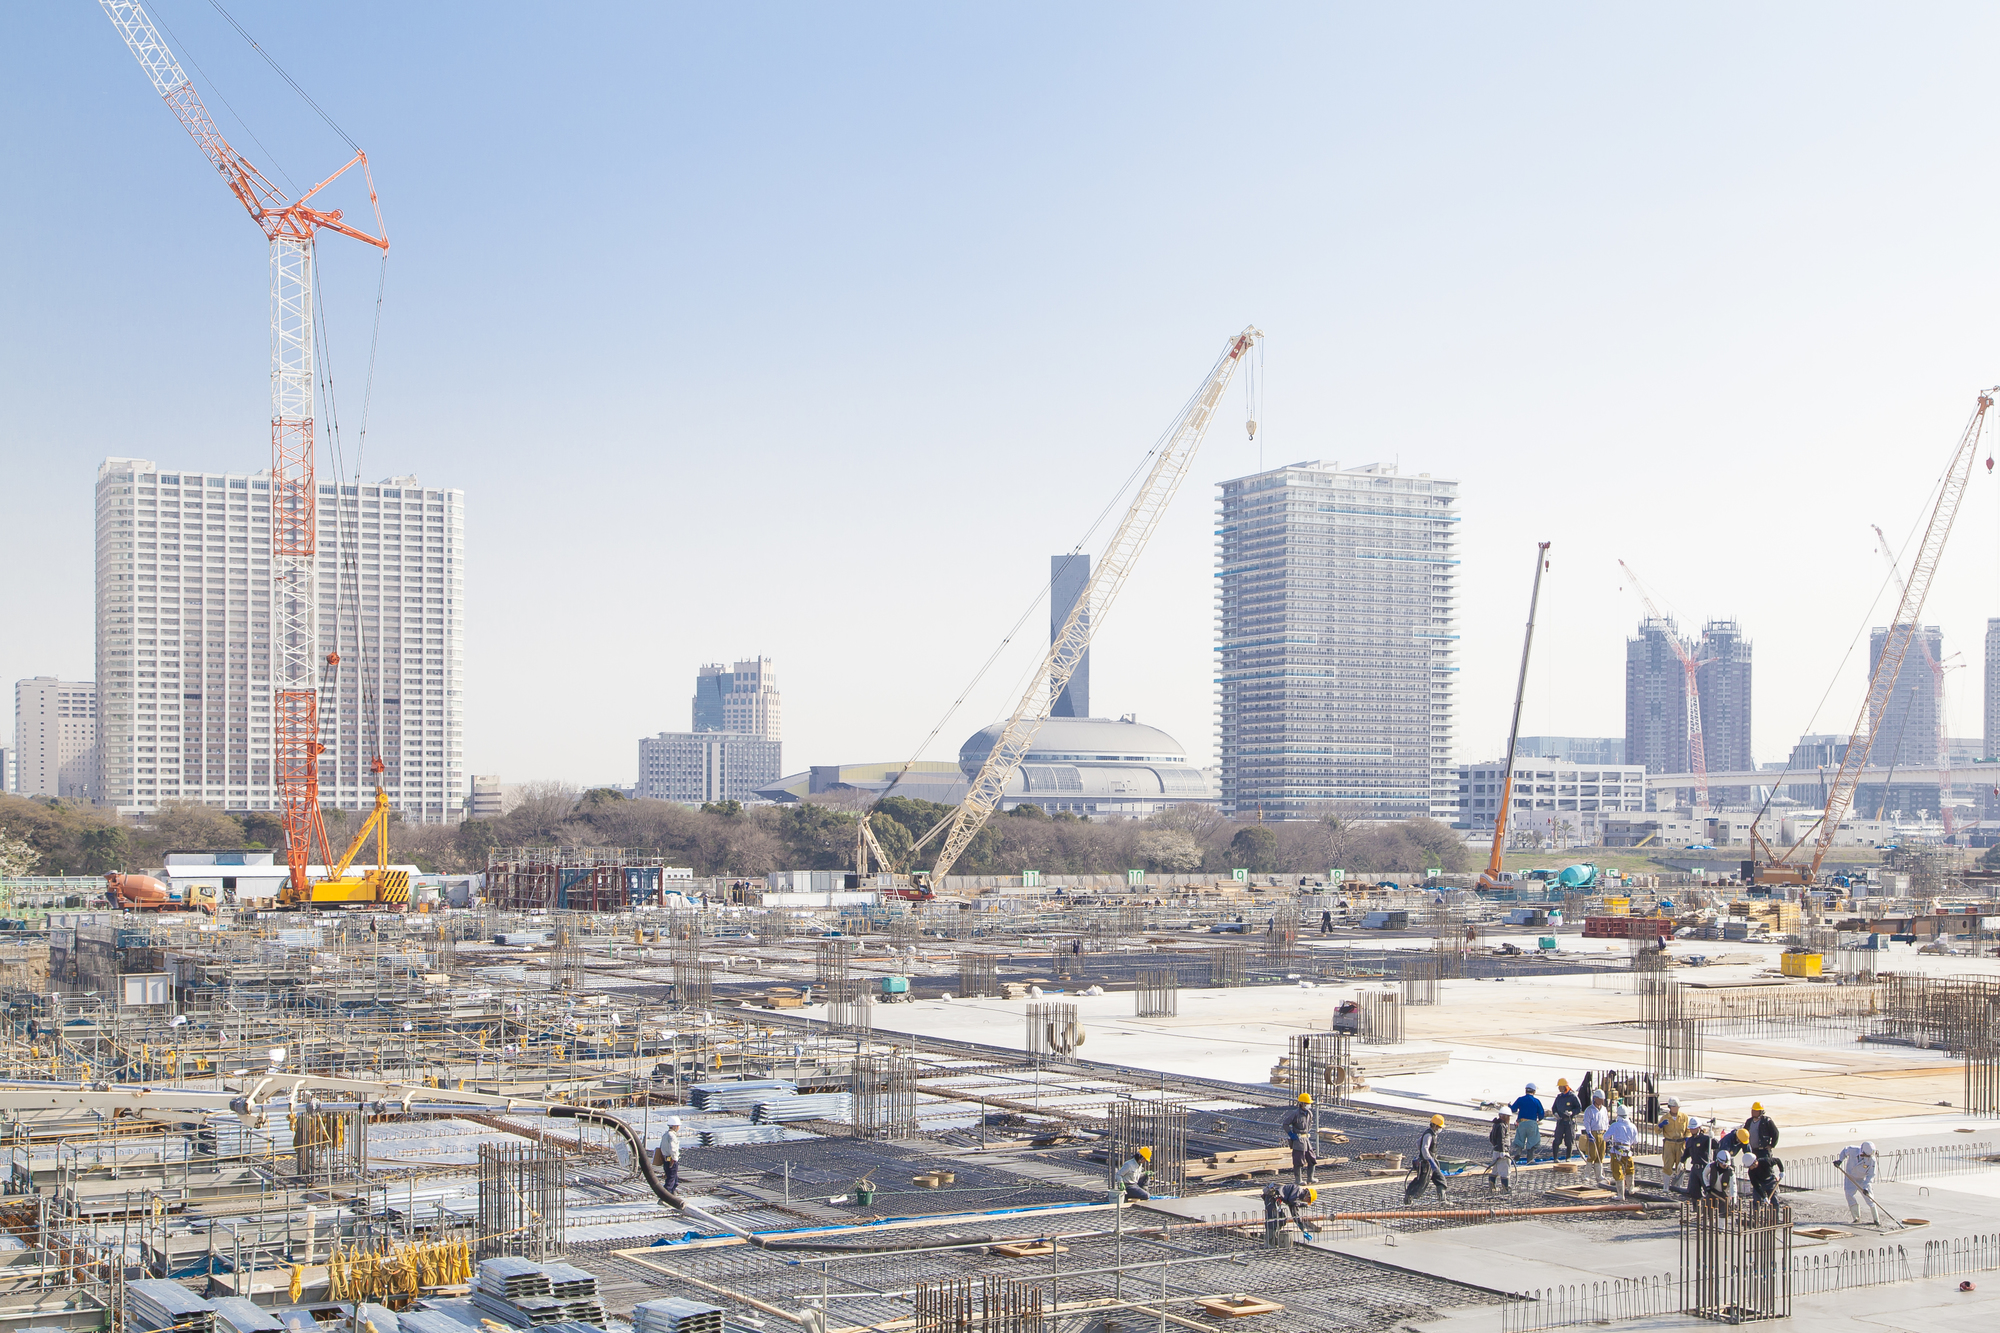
[(813, 331)]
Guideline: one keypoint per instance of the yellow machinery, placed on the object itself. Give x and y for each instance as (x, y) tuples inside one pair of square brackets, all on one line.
[(379, 887)]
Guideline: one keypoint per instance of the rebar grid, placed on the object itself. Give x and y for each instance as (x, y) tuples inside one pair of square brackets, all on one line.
[(521, 1200), (1420, 975), (1381, 1018), (1955, 1014), (1003, 1306), (1158, 1123), (883, 1089), (1322, 1065), (978, 975), (1053, 1032), (1736, 1262), (1157, 993)]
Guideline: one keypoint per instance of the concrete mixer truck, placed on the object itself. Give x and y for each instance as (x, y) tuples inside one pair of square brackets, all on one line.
[(143, 893)]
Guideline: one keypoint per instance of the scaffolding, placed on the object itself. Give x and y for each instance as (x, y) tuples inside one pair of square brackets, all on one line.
[(521, 1204), (1157, 993), (1736, 1261)]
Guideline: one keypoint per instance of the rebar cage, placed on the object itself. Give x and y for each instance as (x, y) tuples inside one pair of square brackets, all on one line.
[(1736, 1261)]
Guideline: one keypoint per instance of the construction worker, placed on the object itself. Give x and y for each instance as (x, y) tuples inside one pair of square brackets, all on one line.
[(1766, 1174), (1718, 1182), (1673, 1127), (1596, 1121), (1699, 1147), (1567, 1108), (668, 1155), (1298, 1127), (1619, 1140), (1528, 1112), (1857, 1173), (1326, 923), (1282, 1199), (1428, 1172), (1500, 1170), (1135, 1173), (1763, 1131)]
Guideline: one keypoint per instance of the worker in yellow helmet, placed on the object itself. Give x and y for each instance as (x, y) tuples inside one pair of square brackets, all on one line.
[(1761, 1130), (1135, 1174), (1427, 1171), (1282, 1199), (1300, 1134)]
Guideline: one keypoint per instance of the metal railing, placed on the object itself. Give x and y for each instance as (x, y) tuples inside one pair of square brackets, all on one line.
[(1896, 1165)]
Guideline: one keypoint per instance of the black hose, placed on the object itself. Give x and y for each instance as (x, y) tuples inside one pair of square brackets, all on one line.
[(589, 1116)]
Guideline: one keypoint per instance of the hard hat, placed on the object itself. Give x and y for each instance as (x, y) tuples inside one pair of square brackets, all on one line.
[(1743, 1136), (1756, 1108), (1563, 1083), (1622, 1112), (1531, 1087), (1597, 1095), (1437, 1122), (1868, 1148), (1145, 1154), (1674, 1102), (1312, 1194), (1305, 1099), (673, 1122)]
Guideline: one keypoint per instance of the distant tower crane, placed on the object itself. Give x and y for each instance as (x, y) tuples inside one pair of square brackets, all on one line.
[(1697, 760), (1937, 670), (291, 226)]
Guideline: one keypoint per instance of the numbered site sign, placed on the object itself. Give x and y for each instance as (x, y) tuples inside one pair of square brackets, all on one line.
[(1239, 875), (1031, 879), (1135, 877), (1336, 876)]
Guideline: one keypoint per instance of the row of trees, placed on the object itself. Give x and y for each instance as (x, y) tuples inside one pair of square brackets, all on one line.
[(66, 838)]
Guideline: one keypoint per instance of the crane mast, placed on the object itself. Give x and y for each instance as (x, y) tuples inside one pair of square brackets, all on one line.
[(1491, 879), (291, 226), (1690, 690), (1840, 794), (1170, 468)]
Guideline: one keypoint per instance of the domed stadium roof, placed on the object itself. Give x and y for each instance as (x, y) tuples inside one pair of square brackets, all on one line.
[(1094, 765)]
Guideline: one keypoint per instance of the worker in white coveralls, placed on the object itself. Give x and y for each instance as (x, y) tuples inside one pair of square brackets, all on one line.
[(1619, 1141), (668, 1155), (1595, 1122), (1857, 1173)]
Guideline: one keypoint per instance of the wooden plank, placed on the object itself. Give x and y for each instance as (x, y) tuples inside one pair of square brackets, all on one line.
[(1239, 1307)]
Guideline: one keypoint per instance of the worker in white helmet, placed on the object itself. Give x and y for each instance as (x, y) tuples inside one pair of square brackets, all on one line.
[(668, 1155), (1596, 1121), (1857, 1173)]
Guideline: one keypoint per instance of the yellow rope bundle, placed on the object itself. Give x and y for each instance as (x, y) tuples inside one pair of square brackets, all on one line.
[(389, 1270)]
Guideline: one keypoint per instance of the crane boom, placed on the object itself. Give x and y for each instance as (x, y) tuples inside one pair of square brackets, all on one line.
[(290, 225), (1911, 606), (1170, 467), (1491, 879), (1690, 689)]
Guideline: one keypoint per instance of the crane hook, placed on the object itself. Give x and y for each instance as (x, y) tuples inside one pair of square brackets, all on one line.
[(1251, 426)]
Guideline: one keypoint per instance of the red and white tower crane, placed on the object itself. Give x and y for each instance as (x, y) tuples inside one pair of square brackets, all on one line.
[(1697, 761), (291, 226)]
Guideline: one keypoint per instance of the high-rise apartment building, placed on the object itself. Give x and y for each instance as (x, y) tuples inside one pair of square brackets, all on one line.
[(1723, 680), (1598, 750), (1656, 736), (744, 699), (1906, 734), (696, 767), (1336, 630), (1069, 575), (184, 646), (55, 732)]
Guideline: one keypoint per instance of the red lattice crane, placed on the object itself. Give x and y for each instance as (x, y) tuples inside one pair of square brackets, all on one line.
[(1690, 667), (291, 226)]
